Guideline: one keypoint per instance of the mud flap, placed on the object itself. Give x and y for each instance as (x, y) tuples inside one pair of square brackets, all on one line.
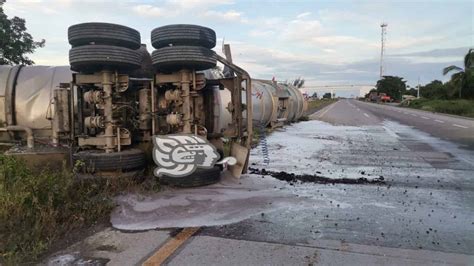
[(241, 154)]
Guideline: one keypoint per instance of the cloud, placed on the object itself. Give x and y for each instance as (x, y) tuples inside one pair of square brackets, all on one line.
[(24, 6), (449, 52), (192, 4), (264, 63), (261, 33), (330, 51), (336, 45), (173, 8), (310, 36), (301, 29), (408, 41), (433, 56), (302, 15), (344, 16), (331, 40), (229, 16), (151, 11)]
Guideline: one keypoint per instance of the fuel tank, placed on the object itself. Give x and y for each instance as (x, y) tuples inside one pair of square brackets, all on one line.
[(26, 99), (26, 94)]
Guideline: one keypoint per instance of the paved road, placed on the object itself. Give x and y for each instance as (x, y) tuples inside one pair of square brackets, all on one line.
[(456, 129), (423, 214)]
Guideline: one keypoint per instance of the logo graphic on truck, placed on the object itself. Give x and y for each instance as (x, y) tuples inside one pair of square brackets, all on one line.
[(181, 154)]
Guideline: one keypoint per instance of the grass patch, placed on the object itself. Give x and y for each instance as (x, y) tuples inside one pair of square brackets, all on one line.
[(455, 107), (38, 208), (317, 104)]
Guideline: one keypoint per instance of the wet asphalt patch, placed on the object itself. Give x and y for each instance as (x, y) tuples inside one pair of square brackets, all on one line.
[(292, 178)]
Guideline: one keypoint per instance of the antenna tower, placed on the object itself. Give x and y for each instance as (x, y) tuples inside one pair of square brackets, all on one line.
[(383, 26)]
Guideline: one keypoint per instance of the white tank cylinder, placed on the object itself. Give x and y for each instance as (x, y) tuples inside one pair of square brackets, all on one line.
[(300, 106), (26, 93), (263, 103), (296, 103), (292, 102)]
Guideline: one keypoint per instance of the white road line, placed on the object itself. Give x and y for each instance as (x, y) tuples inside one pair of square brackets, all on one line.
[(329, 108), (413, 115), (424, 117), (366, 114), (456, 125), (439, 121)]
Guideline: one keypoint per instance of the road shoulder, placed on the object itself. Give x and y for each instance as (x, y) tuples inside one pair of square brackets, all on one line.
[(221, 251)]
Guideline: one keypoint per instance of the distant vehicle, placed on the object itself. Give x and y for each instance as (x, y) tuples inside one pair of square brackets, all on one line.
[(385, 98), (379, 97), (374, 96)]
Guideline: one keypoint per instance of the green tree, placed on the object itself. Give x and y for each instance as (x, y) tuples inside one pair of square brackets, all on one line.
[(393, 86), (367, 95), (15, 42), (327, 95), (434, 90), (411, 91), (298, 83), (463, 78)]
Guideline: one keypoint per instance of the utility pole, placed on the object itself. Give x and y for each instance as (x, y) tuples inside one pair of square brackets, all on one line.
[(383, 26), (418, 92)]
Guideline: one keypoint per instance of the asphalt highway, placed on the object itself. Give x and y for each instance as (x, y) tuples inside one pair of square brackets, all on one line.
[(421, 214), (453, 128)]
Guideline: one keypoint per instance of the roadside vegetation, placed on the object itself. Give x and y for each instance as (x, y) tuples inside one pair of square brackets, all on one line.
[(455, 96), (314, 105), (38, 208), (455, 107)]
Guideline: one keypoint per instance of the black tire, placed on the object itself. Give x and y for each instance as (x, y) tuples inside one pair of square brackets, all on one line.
[(183, 34), (201, 177), (103, 34), (90, 58), (97, 160), (173, 58)]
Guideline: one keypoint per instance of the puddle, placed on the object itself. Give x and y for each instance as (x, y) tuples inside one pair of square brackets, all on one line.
[(218, 204)]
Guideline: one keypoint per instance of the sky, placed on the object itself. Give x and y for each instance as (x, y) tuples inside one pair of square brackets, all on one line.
[(325, 42)]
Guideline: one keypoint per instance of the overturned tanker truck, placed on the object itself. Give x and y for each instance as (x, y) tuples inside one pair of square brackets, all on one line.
[(102, 112)]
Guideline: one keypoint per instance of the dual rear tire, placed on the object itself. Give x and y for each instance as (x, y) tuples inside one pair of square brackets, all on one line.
[(183, 47), (97, 46), (95, 161), (92, 58), (103, 46)]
